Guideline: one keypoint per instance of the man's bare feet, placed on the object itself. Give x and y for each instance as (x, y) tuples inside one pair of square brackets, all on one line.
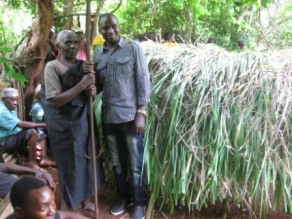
[(46, 162)]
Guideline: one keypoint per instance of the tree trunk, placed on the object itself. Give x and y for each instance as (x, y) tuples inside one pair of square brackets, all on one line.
[(68, 7), (189, 22), (33, 50), (95, 18)]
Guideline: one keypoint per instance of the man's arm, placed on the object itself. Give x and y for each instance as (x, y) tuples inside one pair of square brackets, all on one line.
[(27, 124), (17, 169), (67, 96), (143, 89), (54, 93), (142, 77)]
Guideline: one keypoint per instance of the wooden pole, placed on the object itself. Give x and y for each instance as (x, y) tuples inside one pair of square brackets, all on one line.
[(88, 29), (92, 133)]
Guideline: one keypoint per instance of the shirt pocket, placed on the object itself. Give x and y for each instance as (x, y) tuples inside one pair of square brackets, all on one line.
[(125, 65)]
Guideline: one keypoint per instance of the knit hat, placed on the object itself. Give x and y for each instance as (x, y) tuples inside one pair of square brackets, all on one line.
[(9, 92)]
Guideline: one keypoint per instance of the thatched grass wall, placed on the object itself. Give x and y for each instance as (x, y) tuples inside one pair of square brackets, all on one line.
[(219, 126)]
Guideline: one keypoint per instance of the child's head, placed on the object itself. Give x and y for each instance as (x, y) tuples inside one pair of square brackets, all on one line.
[(81, 37)]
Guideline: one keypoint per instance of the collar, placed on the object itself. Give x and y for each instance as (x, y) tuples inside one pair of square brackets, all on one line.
[(121, 43)]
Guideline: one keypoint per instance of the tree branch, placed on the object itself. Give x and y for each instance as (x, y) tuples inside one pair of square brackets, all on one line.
[(84, 13), (118, 6), (72, 14)]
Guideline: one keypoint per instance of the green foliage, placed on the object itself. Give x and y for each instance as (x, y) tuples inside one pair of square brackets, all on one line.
[(282, 28), (13, 22), (274, 29), (138, 17), (21, 4), (9, 65), (14, 3), (9, 71), (4, 60), (5, 52), (132, 12), (224, 21)]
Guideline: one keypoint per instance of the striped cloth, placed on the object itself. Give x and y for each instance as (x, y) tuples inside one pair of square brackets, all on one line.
[(125, 80)]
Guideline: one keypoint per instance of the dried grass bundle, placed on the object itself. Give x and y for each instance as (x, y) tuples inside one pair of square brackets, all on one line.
[(219, 126)]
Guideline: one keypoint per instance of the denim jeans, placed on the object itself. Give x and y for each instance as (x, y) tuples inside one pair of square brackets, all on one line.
[(127, 151)]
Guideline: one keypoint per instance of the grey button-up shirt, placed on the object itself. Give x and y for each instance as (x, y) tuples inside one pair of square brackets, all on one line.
[(124, 79)]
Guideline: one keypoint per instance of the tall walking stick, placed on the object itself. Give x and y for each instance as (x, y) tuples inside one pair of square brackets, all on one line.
[(92, 134)]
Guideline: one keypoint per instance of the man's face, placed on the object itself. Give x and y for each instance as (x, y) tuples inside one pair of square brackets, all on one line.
[(10, 102), (109, 28), (69, 45), (40, 205)]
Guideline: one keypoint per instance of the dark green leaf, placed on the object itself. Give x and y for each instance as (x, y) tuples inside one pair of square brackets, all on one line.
[(4, 60), (13, 74)]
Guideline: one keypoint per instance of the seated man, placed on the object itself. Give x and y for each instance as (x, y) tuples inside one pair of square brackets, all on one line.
[(17, 135), (7, 180), (31, 198)]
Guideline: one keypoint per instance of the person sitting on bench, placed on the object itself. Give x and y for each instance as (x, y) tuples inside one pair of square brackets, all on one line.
[(17, 135)]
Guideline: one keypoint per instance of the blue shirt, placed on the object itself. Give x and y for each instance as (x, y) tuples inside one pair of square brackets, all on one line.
[(8, 122), (124, 76)]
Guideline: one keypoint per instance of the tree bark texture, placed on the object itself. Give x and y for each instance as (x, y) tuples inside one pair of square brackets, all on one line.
[(68, 7), (33, 50)]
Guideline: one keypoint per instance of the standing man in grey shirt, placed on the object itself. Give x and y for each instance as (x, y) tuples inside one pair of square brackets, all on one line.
[(123, 76)]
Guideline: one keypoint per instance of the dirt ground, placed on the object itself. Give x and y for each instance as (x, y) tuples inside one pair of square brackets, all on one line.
[(213, 212), (108, 196)]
